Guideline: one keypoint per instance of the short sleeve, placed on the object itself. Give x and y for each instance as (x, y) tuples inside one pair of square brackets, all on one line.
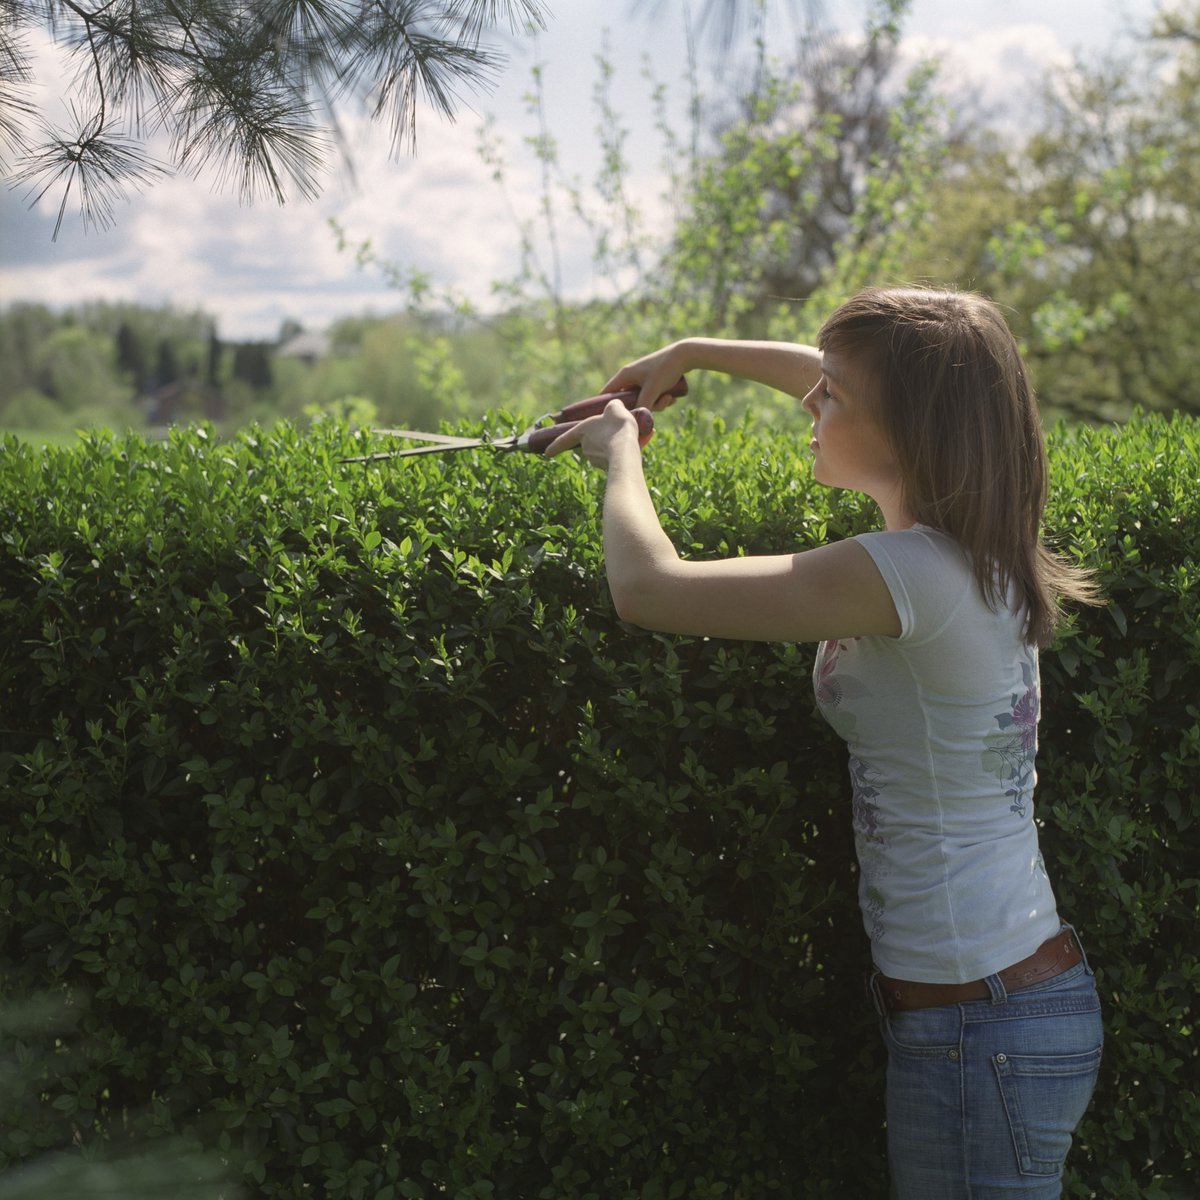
[(928, 575)]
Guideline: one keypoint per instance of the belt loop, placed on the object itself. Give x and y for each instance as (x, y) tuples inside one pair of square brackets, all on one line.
[(995, 985), (1067, 927), (873, 990)]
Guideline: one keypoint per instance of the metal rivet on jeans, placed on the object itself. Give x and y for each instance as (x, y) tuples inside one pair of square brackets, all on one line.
[(953, 1056), (1002, 1058)]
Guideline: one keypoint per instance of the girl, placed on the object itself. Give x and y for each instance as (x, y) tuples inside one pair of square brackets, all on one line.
[(928, 668)]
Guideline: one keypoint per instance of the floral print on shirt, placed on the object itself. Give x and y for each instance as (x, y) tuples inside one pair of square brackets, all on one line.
[(869, 842), (832, 689), (1011, 749)]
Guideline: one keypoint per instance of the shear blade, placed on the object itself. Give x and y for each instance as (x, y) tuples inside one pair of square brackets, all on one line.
[(440, 439)]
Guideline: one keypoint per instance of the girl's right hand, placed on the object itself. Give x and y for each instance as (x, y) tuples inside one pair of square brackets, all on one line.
[(652, 374)]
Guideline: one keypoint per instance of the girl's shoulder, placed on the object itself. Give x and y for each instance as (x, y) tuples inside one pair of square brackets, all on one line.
[(928, 575), (919, 547)]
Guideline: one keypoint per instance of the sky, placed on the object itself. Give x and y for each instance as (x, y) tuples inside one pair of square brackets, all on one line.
[(441, 212)]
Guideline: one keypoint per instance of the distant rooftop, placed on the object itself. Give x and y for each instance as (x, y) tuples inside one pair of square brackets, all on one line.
[(305, 345)]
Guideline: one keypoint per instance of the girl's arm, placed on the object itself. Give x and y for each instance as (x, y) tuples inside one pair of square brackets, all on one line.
[(833, 591), (788, 367)]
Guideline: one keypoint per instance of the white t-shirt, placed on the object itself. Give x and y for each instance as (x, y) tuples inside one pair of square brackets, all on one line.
[(941, 724)]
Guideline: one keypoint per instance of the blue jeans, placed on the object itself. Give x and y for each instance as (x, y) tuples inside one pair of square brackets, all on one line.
[(982, 1097)]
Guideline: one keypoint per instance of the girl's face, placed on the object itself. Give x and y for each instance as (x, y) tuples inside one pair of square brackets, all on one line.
[(849, 449)]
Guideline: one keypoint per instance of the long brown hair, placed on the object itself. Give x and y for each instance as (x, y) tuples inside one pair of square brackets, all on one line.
[(953, 398)]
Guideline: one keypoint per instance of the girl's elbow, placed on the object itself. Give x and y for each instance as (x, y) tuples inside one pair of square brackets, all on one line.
[(645, 593), (625, 601), (634, 602)]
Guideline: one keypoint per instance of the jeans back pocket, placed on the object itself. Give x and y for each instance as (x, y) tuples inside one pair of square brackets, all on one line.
[(1045, 1096)]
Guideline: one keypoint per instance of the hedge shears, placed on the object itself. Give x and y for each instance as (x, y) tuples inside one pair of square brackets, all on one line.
[(533, 440)]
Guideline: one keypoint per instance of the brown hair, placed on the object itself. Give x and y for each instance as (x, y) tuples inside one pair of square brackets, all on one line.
[(953, 399)]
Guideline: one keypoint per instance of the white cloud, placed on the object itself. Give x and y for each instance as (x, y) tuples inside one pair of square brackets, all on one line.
[(997, 71)]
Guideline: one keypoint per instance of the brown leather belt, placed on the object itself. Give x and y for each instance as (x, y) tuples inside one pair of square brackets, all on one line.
[(1051, 958)]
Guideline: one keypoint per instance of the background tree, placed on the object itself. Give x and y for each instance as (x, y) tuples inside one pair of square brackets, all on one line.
[(252, 364), (244, 91), (212, 370), (167, 370), (71, 363), (131, 359), (83, 366), (23, 328), (844, 120), (1088, 230)]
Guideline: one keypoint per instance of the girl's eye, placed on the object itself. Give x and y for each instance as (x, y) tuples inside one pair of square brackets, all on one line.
[(828, 394)]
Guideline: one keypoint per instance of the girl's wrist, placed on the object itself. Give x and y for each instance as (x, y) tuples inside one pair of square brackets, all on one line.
[(684, 354), (624, 450)]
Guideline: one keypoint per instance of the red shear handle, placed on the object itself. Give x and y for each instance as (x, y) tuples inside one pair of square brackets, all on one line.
[(539, 439), (594, 405)]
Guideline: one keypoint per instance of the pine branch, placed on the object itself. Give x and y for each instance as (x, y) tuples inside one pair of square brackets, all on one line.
[(97, 164), (409, 64), (14, 75), (240, 115), (132, 44), (475, 16)]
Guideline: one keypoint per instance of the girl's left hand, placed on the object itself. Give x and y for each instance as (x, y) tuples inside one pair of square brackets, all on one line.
[(598, 437)]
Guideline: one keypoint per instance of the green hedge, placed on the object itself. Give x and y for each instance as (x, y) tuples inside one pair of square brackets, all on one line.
[(353, 841)]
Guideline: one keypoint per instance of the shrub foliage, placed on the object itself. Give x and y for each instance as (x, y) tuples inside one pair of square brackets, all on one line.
[(365, 849)]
